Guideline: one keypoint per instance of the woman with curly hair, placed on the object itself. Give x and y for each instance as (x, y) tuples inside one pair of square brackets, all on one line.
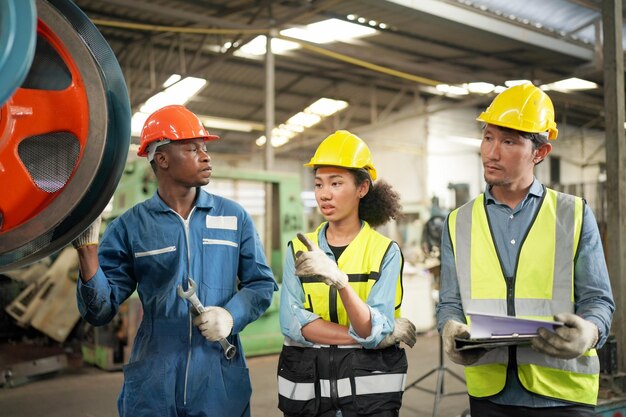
[(341, 295)]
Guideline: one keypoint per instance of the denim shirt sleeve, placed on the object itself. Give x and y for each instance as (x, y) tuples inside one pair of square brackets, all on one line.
[(293, 315), (449, 306), (592, 287), (380, 303)]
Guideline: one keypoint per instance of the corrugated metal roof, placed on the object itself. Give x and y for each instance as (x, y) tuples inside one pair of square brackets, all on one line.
[(561, 17)]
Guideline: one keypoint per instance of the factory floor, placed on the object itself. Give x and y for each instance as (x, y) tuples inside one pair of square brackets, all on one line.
[(86, 391)]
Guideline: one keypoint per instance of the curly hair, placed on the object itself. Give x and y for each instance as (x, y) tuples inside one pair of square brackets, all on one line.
[(380, 204)]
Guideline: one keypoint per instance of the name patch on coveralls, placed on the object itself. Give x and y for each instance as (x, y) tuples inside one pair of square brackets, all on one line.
[(221, 222)]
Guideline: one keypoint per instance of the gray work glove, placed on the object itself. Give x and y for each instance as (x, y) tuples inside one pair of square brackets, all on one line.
[(90, 236), (454, 329), (569, 341), (214, 323), (315, 263), (403, 331)]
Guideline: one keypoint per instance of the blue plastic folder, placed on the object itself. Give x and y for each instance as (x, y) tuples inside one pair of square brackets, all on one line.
[(488, 331)]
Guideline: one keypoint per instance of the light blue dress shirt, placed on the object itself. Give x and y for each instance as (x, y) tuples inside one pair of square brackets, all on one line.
[(592, 289), (381, 303)]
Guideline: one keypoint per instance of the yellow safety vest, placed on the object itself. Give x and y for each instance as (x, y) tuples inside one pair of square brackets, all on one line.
[(543, 285), (361, 261)]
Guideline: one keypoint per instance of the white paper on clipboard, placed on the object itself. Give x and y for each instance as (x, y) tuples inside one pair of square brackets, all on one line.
[(489, 331)]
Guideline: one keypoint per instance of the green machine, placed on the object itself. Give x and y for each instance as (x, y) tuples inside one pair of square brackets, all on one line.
[(272, 199)]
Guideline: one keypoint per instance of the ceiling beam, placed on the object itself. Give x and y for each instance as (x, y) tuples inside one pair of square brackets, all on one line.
[(172, 12)]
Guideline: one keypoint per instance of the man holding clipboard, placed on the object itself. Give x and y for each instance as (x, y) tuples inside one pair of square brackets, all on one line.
[(489, 331), (523, 250)]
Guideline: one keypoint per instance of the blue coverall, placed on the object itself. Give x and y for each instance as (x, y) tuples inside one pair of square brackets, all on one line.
[(173, 370)]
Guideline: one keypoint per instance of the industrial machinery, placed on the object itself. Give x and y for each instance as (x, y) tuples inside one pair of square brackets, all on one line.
[(64, 138), (64, 127)]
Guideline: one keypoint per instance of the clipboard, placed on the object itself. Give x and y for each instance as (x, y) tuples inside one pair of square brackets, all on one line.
[(489, 331)]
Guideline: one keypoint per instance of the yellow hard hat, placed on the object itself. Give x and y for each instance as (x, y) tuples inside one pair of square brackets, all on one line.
[(522, 107), (343, 149)]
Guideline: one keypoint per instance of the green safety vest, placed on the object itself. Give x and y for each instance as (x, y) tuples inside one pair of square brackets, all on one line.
[(543, 285), (361, 261)]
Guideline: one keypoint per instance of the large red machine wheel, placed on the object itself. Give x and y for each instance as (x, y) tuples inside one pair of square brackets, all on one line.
[(64, 137), (58, 117)]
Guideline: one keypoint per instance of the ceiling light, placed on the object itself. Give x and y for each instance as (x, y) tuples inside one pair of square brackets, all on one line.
[(326, 106), (511, 83), (313, 114), (341, 29), (479, 87), (177, 91), (452, 89), (499, 89), (293, 128), (282, 132), (304, 119), (570, 84), (224, 123), (457, 91), (327, 31), (279, 141), (257, 46)]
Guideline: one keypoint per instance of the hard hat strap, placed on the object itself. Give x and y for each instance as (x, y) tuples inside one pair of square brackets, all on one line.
[(153, 147)]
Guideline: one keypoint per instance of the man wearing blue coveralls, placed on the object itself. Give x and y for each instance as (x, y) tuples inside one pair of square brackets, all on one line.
[(181, 232)]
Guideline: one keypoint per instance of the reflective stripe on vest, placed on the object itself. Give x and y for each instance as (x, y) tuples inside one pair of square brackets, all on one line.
[(364, 385), (361, 261), (539, 292)]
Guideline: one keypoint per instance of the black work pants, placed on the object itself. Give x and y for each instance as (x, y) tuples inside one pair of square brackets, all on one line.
[(484, 408), (388, 413)]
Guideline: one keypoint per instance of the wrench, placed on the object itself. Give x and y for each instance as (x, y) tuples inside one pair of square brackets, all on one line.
[(190, 295)]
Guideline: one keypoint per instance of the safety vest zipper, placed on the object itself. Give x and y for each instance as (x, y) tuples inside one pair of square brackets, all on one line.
[(332, 305), (510, 296), (510, 311), (334, 392)]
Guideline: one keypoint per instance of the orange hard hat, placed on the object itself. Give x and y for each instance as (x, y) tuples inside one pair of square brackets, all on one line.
[(173, 122)]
